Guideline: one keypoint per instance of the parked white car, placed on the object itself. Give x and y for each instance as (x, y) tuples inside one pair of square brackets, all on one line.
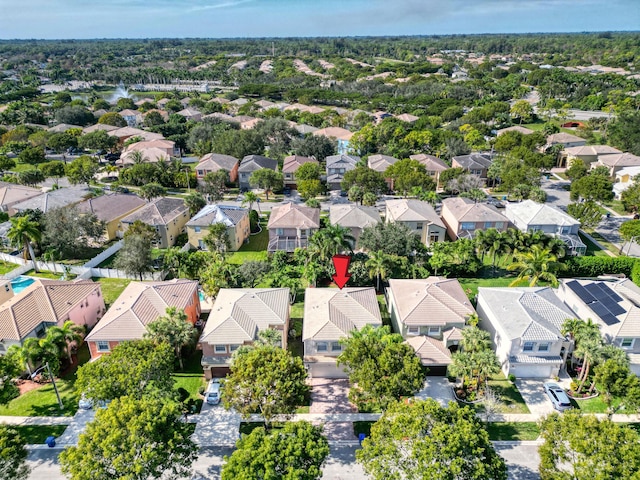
[(212, 393)]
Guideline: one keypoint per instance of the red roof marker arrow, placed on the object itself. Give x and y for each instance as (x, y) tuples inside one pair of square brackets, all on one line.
[(341, 263)]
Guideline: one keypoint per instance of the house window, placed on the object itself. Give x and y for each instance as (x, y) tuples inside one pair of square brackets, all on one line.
[(197, 229), (233, 348), (413, 331), (40, 330), (200, 173), (434, 331), (543, 347), (336, 347), (321, 346), (434, 237), (468, 226), (534, 228), (103, 346), (627, 343), (304, 233), (528, 346), (2, 347), (564, 230), (476, 172), (221, 349), (488, 225), (419, 226), (202, 245), (499, 225), (279, 231)]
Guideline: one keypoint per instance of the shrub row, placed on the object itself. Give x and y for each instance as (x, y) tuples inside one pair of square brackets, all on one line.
[(596, 266)]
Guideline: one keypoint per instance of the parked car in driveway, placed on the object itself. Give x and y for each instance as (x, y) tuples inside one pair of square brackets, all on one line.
[(212, 393), (558, 396)]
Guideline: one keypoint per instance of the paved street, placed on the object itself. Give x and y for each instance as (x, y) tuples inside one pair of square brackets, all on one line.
[(522, 459)]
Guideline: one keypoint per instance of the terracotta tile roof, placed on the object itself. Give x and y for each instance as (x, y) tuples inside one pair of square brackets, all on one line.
[(217, 161), (431, 163), (159, 212), (150, 155), (466, 210), (410, 210), (354, 216), (238, 314), (335, 132), (293, 162), (515, 128), (331, 314), (380, 163), (620, 160), (430, 351), (112, 206), (43, 301), (291, 215), (140, 304), (99, 126), (564, 138)]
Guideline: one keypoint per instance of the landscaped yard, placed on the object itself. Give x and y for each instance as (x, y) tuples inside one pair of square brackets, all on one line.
[(192, 377), (295, 345), (470, 285), (592, 248), (255, 250), (595, 405), (510, 398), (35, 434), (49, 275), (112, 288), (605, 243), (513, 431), (6, 267), (384, 311)]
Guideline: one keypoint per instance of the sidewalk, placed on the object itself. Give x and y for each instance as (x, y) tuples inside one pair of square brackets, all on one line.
[(10, 420)]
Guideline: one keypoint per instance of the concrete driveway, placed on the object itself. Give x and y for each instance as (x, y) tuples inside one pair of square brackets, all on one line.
[(438, 388), (533, 395), (216, 427), (330, 395)]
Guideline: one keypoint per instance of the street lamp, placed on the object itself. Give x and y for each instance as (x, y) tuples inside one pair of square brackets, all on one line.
[(46, 365)]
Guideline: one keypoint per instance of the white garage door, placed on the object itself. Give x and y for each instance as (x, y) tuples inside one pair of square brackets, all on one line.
[(534, 371), (326, 370)]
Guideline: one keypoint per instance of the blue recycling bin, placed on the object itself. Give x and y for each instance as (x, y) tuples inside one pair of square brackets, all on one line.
[(51, 441), (361, 437)]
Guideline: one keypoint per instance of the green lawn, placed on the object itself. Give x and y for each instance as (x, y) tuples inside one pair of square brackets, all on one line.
[(384, 311), (6, 267), (23, 167), (616, 205), (595, 405), (192, 377), (295, 345), (49, 275), (35, 434), (111, 288), (513, 431), (592, 248), (255, 250), (605, 243), (512, 401), (470, 285), (240, 257)]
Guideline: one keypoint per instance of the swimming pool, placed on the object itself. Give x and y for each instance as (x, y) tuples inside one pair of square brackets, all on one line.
[(20, 283), (201, 295)]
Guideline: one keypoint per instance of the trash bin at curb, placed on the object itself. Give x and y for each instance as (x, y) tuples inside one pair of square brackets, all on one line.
[(361, 437), (51, 441)]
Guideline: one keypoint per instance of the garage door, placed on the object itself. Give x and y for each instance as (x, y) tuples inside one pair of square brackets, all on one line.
[(326, 370), (534, 371)]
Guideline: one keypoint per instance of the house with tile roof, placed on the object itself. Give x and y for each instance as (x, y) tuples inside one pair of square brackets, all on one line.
[(407, 117), (111, 209), (127, 132), (380, 163), (168, 215), (237, 317), (337, 166), (567, 140), (515, 128), (250, 164), (331, 314), (464, 217), (354, 217), (430, 314), (12, 194), (147, 155), (616, 162), (291, 165), (529, 216), (614, 305), (132, 117), (63, 127), (339, 135), (236, 220), (625, 177), (291, 225), (588, 153), (45, 202), (138, 305), (191, 114), (46, 303), (434, 165), (419, 217), (99, 126), (524, 324), (474, 164), (168, 146), (213, 162)]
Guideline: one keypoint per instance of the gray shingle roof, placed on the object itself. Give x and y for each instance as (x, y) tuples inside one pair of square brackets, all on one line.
[(251, 163), (109, 207)]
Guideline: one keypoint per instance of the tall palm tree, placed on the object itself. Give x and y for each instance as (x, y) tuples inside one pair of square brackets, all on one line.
[(64, 336), (339, 239), (588, 344), (22, 232), (378, 265), (536, 265), (174, 329), (39, 350), (475, 340), (250, 198)]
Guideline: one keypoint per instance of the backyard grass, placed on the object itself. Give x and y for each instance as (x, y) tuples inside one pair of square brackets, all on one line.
[(6, 267), (605, 243), (295, 345), (470, 285), (255, 250), (111, 288), (592, 248), (191, 378), (513, 431), (384, 311), (49, 275), (36, 434)]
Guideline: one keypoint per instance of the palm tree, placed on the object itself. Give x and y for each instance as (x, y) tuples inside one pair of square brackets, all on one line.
[(64, 336), (534, 266), (39, 350), (588, 344), (251, 198), (339, 239), (475, 340), (174, 329), (514, 242), (378, 265), (22, 232), (485, 364)]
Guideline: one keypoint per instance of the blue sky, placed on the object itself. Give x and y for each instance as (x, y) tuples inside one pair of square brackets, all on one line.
[(278, 18)]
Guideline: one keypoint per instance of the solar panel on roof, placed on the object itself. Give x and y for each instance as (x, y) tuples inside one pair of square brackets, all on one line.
[(609, 319), (609, 291), (599, 309), (595, 290), (616, 309), (581, 292)]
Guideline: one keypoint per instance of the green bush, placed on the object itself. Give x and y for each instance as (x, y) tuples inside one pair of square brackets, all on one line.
[(635, 273), (596, 266), (254, 221)]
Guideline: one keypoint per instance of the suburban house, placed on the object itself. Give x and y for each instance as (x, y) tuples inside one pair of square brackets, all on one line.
[(236, 220), (45, 202), (354, 217), (617, 162), (11, 194), (138, 305), (434, 165), (625, 177), (430, 313), (168, 215), (132, 117), (380, 163), (99, 126), (475, 163), (515, 128), (419, 217), (407, 117), (128, 132), (525, 323), (250, 164), (168, 146), (46, 303), (147, 155), (191, 114), (213, 162), (464, 217), (613, 305), (567, 140), (588, 153), (337, 166), (63, 127), (291, 225), (291, 165), (340, 135), (111, 209), (331, 314), (529, 216), (237, 317)]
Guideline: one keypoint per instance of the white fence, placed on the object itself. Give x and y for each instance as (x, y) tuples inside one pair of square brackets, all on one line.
[(102, 256)]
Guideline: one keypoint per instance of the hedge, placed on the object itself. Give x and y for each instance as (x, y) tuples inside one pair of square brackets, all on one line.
[(596, 266)]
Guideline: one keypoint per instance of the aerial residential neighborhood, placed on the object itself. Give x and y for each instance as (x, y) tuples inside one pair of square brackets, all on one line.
[(320, 258)]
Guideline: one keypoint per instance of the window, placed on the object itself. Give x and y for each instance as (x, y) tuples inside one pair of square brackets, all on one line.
[(543, 347), (627, 343), (197, 229), (434, 237), (476, 172), (279, 231), (499, 225), (103, 346), (336, 347), (528, 346), (202, 245), (434, 331), (468, 226), (40, 330), (221, 349), (488, 225), (233, 348), (413, 331), (321, 346), (419, 226), (564, 230)]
